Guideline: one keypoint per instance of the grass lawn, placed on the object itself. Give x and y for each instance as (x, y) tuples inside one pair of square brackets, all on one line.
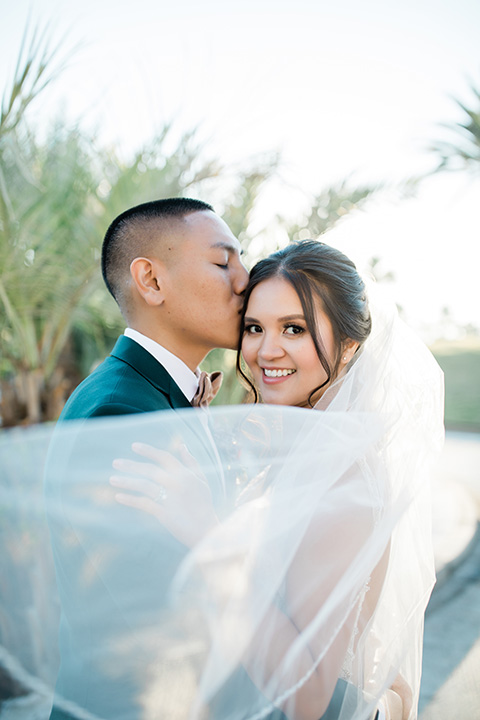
[(460, 361)]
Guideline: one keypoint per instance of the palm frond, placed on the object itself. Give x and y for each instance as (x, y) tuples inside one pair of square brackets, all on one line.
[(330, 206), (37, 66), (462, 151)]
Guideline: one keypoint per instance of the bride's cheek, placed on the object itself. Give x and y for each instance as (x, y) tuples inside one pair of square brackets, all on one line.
[(246, 350)]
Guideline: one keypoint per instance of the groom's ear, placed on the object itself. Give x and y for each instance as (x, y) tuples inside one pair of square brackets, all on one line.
[(148, 279)]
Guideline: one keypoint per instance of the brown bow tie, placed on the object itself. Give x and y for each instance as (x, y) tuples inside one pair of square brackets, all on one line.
[(208, 386)]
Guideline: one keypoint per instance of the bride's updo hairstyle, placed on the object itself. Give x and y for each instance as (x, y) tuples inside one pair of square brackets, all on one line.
[(316, 270)]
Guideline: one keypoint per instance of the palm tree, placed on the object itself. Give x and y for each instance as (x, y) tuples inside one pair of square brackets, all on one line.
[(19, 193), (463, 151)]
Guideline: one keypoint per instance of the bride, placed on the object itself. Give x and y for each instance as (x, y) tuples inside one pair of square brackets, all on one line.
[(306, 586)]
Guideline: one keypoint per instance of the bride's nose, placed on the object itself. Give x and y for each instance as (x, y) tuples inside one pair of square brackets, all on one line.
[(271, 348)]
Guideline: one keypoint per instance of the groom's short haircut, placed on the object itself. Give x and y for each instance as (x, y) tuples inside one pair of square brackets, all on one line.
[(135, 232)]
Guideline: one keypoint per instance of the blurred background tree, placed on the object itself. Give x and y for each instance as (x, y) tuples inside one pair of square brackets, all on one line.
[(58, 193), (462, 152), (329, 207)]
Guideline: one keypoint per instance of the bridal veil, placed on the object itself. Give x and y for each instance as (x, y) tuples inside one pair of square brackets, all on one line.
[(306, 600)]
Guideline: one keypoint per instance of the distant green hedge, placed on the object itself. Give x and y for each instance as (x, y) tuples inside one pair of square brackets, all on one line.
[(460, 361)]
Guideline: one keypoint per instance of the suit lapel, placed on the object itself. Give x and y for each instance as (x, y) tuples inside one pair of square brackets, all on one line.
[(140, 360)]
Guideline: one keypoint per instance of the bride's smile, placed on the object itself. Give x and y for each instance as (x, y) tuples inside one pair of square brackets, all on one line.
[(276, 373)]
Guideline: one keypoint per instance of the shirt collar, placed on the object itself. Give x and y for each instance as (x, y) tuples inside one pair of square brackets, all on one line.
[(186, 380)]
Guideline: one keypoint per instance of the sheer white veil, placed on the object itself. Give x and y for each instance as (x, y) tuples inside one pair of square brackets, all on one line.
[(306, 600)]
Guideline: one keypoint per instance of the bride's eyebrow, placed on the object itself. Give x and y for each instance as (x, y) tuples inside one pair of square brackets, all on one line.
[(285, 318)]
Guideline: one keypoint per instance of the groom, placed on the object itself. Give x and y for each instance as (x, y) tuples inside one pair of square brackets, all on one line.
[(174, 268)]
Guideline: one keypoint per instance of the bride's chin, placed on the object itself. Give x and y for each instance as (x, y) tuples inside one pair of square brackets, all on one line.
[(275, 399), (269, 398)]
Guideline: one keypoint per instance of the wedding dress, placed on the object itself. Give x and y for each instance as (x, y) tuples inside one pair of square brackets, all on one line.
[(305, 600)]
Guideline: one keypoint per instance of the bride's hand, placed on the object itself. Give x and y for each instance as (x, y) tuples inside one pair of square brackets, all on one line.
[(174, 491)]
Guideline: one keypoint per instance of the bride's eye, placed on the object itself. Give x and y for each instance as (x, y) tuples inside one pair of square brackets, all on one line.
[(253, 329), (294, 330)]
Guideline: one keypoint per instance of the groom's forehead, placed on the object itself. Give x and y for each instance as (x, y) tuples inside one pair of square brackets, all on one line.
[(209, 229)]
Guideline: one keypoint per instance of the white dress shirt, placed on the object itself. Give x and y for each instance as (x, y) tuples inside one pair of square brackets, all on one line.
[(186, 380)]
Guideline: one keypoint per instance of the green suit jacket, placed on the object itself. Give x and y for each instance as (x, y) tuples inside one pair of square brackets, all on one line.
[(130, 381)]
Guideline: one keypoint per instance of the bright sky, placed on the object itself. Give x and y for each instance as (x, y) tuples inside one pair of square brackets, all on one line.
[(352, 88)]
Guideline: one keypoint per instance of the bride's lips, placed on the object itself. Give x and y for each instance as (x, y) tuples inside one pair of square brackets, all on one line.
[(276, 375)]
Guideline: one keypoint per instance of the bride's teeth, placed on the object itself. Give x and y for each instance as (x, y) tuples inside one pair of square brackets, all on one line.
[(277, 373)]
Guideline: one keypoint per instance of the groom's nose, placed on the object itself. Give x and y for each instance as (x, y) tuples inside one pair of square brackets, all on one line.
[(240, 279)]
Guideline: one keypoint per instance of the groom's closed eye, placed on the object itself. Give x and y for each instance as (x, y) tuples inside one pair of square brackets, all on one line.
[(229, 250)]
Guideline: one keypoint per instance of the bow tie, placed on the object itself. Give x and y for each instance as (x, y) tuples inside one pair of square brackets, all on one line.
[(208, 386)]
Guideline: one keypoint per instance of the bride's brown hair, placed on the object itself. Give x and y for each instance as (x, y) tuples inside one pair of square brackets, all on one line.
[(315, 269)]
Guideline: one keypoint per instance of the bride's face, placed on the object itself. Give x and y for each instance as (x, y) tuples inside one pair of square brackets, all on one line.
[(278, 347)]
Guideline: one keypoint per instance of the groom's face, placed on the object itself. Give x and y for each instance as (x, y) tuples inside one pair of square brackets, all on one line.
[(204, 287)]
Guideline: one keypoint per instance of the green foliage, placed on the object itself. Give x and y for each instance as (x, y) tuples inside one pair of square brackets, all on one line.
[(330, 206), (463, 151), (460, 361), (155, 171), (237, 212)]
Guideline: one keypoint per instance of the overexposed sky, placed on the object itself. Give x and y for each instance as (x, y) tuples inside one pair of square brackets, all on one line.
[(342, 89)]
